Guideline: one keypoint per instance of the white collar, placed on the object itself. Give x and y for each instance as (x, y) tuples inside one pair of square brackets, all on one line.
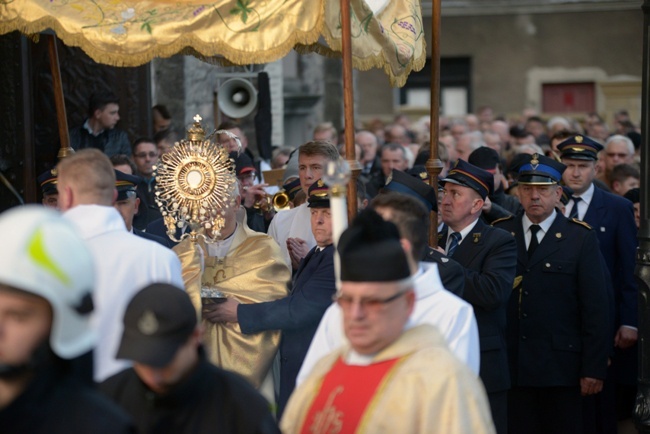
[(545, 225), (90, 130), (464, 232), (93, 220), (587, 195)]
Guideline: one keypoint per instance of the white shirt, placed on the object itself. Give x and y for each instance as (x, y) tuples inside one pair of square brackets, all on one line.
[(434, 305), (293, 223), (543, 227), (124, 264), (463, 233), (583, 205)]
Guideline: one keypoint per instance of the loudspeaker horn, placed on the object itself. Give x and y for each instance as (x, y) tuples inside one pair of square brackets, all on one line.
[(237, 98)]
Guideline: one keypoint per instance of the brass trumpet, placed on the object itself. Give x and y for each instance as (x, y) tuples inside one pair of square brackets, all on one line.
[(278, 202)]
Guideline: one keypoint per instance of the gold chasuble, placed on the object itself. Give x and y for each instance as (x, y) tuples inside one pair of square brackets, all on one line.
[(253, 271), (415, 385)]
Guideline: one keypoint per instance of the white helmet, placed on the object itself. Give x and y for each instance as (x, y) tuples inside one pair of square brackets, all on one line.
[(41, 254)]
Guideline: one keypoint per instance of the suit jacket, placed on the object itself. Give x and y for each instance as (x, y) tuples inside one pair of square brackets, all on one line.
[(489, 258), (612, 217), (557, 332), (297, 315), (165, 241), (451, 272)]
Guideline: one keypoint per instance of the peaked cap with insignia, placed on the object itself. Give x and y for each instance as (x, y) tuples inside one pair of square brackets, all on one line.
[(540, 170), (402, 182), (472, 177), (579, 147), (318, 196)]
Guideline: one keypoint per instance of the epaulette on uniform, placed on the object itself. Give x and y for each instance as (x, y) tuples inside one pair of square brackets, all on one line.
[(580, 222), (502, 219)]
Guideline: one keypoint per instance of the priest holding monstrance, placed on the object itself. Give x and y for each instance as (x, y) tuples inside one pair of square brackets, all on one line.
[(221, 257)]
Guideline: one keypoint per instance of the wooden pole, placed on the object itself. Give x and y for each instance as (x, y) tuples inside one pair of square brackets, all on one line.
[(433, 164), (59, 101), (348, 106)]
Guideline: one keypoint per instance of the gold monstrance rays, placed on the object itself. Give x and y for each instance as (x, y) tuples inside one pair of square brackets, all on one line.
[(194, 185)]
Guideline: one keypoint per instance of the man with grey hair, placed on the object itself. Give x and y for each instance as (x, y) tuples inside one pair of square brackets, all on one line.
[(124, 263), (619, 149), (468, 143)]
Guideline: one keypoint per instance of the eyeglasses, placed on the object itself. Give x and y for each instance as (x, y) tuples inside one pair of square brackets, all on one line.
[(146, 154), (369, 303)]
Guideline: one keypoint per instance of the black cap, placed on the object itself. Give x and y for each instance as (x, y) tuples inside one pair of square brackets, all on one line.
[(418, 171), (158, 320), (484, 158), (540, 170), (318, 195), (47, 182), (243, 163), (292, 188), (579, 147), (126, 185), (402, 182), (371, 251), (472, 177), (633, 195)]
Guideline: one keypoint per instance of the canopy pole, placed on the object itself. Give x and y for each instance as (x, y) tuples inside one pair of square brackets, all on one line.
[(348, 106), (433, 164), (59, 102)]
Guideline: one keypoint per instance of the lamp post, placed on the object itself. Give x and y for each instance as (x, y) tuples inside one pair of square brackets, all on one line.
[(642, 271)]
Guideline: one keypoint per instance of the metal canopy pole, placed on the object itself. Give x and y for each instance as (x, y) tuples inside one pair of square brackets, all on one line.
[(433, 164), (642, 270)]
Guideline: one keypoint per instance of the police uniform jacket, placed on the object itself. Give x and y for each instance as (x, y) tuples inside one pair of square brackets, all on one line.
[(489, 258), (612, 217), (297, 315), (558, 328)]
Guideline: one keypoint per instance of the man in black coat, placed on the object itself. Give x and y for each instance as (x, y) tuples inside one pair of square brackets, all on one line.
[(172, 388), (558, 333), (451, 272), (612, 218), (489, 258), (298, 314)]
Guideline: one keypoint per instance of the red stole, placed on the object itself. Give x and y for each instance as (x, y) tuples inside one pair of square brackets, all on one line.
[(346, 393)]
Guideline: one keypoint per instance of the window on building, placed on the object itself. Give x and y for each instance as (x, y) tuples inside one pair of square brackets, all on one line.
[(568, 97), (455, 86)]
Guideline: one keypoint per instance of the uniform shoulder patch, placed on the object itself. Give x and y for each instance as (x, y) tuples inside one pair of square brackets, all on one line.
[(580, 222), (502, 219)]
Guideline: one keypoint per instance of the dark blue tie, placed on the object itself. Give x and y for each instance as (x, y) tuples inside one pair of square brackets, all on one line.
[(452, 243), (574, 211)]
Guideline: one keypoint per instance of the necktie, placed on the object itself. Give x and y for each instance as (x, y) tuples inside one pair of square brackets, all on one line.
[(454, 239), (574, 211), (533, 240)]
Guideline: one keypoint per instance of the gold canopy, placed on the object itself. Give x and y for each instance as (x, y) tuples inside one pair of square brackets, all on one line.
[(131, 33)]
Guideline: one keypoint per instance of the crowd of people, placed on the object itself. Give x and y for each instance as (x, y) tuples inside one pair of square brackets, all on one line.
[(522, 319)]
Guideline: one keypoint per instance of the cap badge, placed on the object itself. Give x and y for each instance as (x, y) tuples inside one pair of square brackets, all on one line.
[(148, 324), (54, 172), (423, 175), (534, 162), (578, 139), (577, 149), (320, 183)]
